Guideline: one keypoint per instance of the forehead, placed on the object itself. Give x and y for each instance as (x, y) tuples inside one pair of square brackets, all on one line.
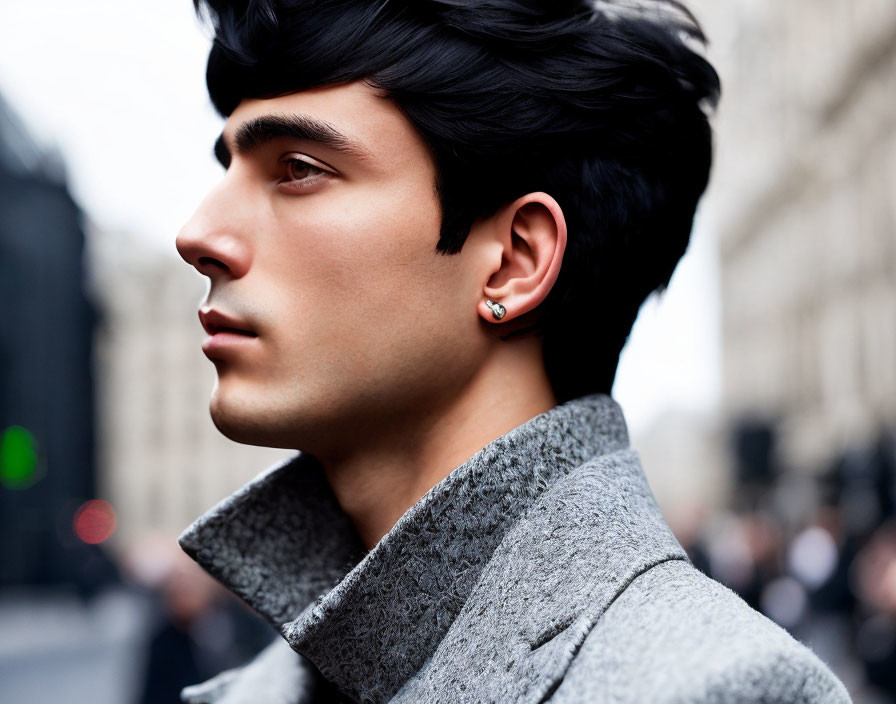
[(373, 123)]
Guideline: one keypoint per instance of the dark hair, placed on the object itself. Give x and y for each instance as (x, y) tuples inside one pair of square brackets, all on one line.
[(602, 104)]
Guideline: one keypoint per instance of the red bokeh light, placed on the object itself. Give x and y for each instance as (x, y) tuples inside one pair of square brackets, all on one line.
[(95, 521)]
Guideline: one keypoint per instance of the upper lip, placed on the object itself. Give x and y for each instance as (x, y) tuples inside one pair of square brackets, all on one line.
[(214, 321)]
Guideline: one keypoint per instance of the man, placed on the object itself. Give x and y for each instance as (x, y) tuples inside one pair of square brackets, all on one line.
[(437, 224)]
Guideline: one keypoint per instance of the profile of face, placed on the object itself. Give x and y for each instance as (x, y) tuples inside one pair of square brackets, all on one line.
[(328, 258), (324, 252)]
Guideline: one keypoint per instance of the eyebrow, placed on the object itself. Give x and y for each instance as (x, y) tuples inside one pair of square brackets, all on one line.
[(255, 133)]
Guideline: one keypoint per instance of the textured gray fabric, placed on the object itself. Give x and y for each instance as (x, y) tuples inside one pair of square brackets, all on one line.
[(555, 573), (293, 681), (491, 586), (677, 636)]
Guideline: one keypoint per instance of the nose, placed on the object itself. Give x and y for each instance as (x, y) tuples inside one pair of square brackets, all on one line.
[(215, 240)]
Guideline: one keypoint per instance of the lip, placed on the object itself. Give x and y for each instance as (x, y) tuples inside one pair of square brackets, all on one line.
[(225, 331)]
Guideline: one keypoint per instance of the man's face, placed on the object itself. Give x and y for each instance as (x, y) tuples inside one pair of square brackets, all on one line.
[(329, 260)]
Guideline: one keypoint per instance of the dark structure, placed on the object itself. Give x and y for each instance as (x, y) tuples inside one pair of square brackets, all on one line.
[(47, 442)]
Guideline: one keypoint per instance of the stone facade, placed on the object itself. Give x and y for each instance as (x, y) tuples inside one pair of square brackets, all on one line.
[(802, 201)]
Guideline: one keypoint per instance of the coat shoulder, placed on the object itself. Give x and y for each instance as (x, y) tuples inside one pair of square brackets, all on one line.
[(675, 635)]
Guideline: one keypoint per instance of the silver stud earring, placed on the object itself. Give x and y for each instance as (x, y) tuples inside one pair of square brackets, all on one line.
[(497, 309)]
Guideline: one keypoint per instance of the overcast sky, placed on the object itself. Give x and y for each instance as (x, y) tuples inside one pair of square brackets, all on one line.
[(119, 87)]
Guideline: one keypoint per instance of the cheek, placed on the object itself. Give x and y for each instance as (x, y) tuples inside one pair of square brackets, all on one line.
[(369, 244), (367, 274)]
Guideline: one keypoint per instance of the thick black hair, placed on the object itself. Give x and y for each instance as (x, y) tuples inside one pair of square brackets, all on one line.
[(603, 104)]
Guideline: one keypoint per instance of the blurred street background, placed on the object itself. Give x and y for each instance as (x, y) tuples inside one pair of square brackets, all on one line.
[(760, 389)]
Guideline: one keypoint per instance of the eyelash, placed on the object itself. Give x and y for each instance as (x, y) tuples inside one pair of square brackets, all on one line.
[(301, 182)]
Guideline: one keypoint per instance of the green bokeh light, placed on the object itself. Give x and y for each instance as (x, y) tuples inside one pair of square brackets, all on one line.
[(18, 457)]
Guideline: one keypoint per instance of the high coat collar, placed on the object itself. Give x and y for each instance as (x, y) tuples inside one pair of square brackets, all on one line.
[(563, 496)]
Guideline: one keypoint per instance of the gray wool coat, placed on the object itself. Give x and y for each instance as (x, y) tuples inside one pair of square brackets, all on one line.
[(540, 570)]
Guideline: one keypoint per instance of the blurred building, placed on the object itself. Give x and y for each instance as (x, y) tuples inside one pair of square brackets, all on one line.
[(47, 466), (162, 462), (803, 203)]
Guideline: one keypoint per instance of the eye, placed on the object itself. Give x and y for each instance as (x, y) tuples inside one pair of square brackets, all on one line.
[(301, 173)]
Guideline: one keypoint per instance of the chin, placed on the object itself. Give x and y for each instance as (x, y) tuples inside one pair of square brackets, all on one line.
[(253, 414), (241, 422)]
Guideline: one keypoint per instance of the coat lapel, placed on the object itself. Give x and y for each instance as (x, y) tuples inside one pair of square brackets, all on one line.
[(550, 580)]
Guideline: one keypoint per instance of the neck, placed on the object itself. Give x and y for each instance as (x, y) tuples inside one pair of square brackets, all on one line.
[(377, 482)]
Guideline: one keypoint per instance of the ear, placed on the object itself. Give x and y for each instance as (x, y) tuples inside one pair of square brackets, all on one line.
[(528, 242)]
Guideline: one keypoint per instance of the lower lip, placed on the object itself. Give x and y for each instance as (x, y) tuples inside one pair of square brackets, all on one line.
[(225, 341)]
